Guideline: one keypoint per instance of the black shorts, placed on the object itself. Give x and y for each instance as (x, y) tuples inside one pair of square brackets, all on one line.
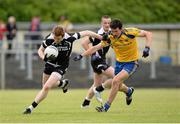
[(49, 68), (99, 65)]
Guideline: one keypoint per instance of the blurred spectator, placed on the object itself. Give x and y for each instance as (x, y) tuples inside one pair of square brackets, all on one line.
[(34, 34), (65, 23), (11, 30), (35, 28), (2, 31)]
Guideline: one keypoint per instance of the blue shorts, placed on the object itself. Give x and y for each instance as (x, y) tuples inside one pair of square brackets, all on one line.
[(129, 67)]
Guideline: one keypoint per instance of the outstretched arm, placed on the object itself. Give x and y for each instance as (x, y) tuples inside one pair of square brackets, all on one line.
[(92, 50), (85, 43), (88, 52), (91, 34)]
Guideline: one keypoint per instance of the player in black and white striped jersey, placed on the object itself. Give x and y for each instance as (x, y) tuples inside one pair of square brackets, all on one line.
[(98, 60), (55, 68)]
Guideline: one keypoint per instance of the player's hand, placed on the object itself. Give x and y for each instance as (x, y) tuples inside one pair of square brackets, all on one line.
[(78, 57), (146, 52), (105, 37)]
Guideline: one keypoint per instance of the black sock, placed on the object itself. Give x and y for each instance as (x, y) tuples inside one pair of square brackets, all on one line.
[(86, 102), (60, 84), (34, 104), (99, 88)]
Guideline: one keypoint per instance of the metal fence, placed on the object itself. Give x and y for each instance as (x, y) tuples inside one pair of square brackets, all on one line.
[(24, 55), (24, 50)]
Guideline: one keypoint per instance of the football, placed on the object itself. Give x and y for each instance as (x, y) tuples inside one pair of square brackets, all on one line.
[(51, 51)]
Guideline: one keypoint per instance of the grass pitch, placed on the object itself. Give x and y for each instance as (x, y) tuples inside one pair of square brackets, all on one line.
[(149, 105)]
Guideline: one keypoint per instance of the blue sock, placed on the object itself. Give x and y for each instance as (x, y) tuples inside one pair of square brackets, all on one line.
[(106, 106), (129, 92)]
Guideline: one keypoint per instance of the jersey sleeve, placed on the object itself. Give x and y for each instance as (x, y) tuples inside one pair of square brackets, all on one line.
[(95, 40), (71, 37), (47, 42), (77, 35)]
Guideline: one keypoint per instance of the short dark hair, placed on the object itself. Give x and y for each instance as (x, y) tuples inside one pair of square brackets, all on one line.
[(116, 23)]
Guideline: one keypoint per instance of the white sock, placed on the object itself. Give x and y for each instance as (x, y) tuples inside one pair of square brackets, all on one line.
[(88, 98), (31, 107), (63, 83)]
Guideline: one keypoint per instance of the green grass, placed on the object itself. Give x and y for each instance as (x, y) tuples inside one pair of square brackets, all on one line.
[(149, 105)]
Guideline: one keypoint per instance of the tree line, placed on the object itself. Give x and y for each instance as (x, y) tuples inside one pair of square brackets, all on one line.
[(90, 11)]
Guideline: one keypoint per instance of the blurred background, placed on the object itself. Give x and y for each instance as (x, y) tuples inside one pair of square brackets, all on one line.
[(25, 23)]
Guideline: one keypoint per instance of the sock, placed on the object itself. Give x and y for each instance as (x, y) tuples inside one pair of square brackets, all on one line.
[(100, 88), (33, 105), (129, 92), (87, 99), (60, 84), (86, 102), (107, 106)]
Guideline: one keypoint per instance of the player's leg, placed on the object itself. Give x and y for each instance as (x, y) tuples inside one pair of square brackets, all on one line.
[(51, 82), (34, 104), (63, 84), (122, 72), (107, 83), (131, 69), (109, 72), (45, 78), (98, 79), (128, 91), (116, 83), (123, 88)]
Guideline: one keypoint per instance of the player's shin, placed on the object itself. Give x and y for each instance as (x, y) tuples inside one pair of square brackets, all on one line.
[(89, 96), (114, 90)]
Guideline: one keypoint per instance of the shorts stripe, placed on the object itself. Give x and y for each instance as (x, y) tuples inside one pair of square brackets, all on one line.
[(134, 69)]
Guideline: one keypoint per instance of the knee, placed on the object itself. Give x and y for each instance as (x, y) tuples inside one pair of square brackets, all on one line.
[(116, 82)]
